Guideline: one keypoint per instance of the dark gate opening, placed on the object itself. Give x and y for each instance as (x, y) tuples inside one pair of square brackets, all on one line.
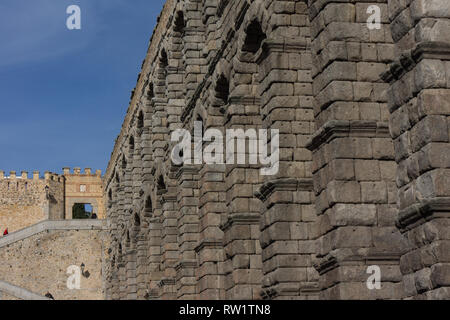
[(83, 211)]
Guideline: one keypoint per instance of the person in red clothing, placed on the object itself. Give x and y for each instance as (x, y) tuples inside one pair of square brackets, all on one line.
[(6, 232)]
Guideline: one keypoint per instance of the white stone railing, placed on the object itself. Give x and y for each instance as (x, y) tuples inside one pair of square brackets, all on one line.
[(52, 225), (18, 292)]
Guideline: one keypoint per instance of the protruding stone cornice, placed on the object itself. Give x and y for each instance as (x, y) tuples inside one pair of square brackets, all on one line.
[(192, 31), (284, 184), (372, 255), (168, 197), (284, 45), (187, 169), (240, 219), (343, 128), (326, 264), (410, 58), (209, 244), (420, 213), (245, 100), (288, 289), (166, 282), (160, 101), (154, 220), (184, 264)]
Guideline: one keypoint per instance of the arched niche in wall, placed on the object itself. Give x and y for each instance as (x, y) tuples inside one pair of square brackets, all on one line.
[(179, 23), (222, 91), (148, 206), (140, 121), (254, 37), (161, 185)]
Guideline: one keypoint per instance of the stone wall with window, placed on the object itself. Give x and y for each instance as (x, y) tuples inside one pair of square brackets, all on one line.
[(83, 188), (25, 200)]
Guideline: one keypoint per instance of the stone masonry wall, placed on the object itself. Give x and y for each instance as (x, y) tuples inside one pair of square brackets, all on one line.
[(24, 201), (39, 263), (362, 116), (83, 187), (5, 296), (419, 105), (353, 154)]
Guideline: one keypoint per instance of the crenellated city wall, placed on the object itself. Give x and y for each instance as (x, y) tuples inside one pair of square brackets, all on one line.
[(26, 200), (44, 240)]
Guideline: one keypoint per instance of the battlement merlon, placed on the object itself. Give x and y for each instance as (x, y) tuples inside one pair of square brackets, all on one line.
[(50, 175), (24, 176), (77, 172)]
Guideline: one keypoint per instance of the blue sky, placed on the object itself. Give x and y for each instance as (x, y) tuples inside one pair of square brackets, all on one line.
[(64, 93)]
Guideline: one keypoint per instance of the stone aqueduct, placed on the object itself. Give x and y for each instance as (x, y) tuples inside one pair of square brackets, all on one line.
[(364, 154)]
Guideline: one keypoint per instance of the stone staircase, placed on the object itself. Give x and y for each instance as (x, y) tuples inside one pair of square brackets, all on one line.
[(18, 292), (52, 225), (10, 290)]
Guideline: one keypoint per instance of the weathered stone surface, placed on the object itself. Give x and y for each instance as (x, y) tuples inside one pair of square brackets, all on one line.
[(358, 150), (419, 125), (38, 258), (26, 201)]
